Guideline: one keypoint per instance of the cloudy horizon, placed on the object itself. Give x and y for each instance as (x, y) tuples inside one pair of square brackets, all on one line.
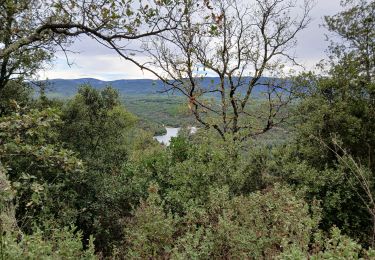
[(89, 59)]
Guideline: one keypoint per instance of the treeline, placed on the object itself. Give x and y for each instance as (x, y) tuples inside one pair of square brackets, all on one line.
[(80, 180)]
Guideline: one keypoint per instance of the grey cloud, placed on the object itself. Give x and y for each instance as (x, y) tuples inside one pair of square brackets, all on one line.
[(95, 60), (312, 41)]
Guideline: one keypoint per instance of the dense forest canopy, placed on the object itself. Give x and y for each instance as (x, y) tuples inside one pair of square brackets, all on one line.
[(282, 173)]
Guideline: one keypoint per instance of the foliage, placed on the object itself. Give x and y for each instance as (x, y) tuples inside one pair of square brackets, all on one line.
[(179, 147), (187, 169), (59, 244), (355, 52), (254, 226), (335, 127), (7, 212), (341, 105), (95, 125), (337, 110), (14, 91), (339, 190), (336, 246), (87, 163), (41, 171), (36, 28), (16, 20), (149, 233)]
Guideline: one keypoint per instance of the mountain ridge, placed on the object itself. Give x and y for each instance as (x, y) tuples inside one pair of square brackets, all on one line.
[(69, 87)]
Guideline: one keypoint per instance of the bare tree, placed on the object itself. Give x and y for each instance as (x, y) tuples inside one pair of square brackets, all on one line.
[(239, 42)]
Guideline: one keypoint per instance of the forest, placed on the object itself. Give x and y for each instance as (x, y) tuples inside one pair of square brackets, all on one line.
[(282, 165)]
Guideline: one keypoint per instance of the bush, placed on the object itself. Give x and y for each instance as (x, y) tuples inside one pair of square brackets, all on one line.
[(336, 246), (59, 244), (260, 225), (150, 231)]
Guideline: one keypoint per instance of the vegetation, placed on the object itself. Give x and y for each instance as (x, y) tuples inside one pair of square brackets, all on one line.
[(157, 111), (234, 40), (83, 178)]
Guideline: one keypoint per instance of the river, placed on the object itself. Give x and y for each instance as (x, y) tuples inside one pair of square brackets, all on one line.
[(171, 132)]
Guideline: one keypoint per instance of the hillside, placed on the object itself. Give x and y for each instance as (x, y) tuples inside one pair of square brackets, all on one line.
[(68, 87)]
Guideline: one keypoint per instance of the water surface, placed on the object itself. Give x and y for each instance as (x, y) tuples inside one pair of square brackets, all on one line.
[(172, 132), (166, 138)]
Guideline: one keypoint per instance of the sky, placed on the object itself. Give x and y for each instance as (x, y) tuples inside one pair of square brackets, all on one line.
[(91, 60)]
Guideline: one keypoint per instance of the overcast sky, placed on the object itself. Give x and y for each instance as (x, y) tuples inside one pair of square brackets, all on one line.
[(96, 61)]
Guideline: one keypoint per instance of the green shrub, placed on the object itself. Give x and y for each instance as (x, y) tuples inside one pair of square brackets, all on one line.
[(59, 244), (336, 246), (149, 233), (260, 225)]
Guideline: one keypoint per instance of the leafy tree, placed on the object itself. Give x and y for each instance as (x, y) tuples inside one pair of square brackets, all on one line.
[(342, 105), (356, 50), (14, 91), (95, 125), (17, 18), (42, 173), (336, 126)]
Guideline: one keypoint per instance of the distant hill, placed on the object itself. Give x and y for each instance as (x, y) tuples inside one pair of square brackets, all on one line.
[(68, 87)]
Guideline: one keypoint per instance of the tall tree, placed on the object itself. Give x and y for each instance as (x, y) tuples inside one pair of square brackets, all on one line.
[(341, 104), (335, 145), (95, 125)]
